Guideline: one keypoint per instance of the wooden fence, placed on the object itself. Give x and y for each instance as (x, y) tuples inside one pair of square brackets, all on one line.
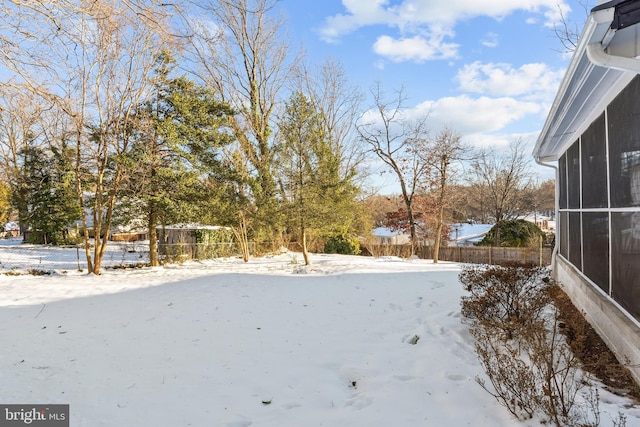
[(472, 255)]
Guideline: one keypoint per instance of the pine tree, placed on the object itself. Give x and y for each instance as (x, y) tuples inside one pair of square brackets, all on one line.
[(319, 197), (47, 192), (180, 132), (5, 203)]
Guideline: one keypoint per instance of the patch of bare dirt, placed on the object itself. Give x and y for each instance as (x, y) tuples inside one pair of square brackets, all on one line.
[(594, 354)]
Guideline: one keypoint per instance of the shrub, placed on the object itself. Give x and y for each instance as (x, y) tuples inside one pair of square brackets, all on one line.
[(505, 298), (529, 364), (342, 245), (517, 233)]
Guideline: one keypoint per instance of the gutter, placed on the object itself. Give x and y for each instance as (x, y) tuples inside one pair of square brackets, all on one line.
[(604, 21), (597, 55)]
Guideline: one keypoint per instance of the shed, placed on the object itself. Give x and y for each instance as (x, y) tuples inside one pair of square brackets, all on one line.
[(194, 241)]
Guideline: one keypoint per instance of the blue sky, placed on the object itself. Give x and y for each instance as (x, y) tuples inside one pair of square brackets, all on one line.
[(489, 69)]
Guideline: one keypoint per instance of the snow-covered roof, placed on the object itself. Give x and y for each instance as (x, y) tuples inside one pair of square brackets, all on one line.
[(469, 232), (386, 232), (535, 217), (12, 225), (193, 226)]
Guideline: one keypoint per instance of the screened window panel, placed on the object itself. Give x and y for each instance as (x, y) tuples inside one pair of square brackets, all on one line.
[(563, 228), (573, 176), (595, 250), (562, 181), (594, 165), (575, 241), (625, 259), (623, 116)]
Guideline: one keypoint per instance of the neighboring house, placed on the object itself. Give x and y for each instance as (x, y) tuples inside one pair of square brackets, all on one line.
[(544, 223), (11, 229), (592, 133), (468, 234), (135, 229), (387, 236)]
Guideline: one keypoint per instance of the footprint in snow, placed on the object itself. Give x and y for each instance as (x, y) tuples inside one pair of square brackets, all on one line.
[(292, 405), (395, 307), (359, 402), (456, 377)]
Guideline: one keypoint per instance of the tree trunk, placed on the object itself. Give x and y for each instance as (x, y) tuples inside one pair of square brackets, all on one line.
[(241, 235), (153, 236), (436, 244), (412, 223), (305, 254), (436, 249)]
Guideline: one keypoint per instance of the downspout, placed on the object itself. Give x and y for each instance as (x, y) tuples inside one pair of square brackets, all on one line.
[(557, 216), (598, 56), (602, 25)]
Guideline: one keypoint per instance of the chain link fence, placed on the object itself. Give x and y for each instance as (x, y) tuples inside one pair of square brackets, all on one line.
[(16, 257)]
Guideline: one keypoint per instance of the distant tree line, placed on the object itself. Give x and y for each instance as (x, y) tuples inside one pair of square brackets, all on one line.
[(153, 113)]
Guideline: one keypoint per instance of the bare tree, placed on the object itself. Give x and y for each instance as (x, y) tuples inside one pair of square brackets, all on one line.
[(247, 60), (441, 154), (93, 62), (567, 31), (339, 103), (503, 180), (394, 139)]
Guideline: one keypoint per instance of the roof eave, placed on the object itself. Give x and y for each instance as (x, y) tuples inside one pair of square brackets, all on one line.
[(592, 73)]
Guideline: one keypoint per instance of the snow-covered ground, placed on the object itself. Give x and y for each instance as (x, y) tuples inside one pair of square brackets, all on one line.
[(264, 343), (17, 257)]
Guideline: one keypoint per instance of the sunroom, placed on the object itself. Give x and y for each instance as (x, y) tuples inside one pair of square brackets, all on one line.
[(592, 138)]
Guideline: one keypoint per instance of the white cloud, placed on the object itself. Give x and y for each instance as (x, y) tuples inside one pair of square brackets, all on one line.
[(410, 16), (469, 115), (534, 81), (415, 48), (499, 140), (482, 122), (490, 40)]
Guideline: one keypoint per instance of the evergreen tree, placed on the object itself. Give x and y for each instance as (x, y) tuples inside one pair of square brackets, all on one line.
[(320, 199), (47, 192), (181, 130), (518, 233), (5, 203)]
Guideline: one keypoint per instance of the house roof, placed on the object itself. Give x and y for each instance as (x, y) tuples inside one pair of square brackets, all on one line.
[(386, 232), (603, 63), (193, 226), (469, 232)]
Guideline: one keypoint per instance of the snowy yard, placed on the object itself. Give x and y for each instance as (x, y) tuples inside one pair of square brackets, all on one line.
[(267, 343)]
